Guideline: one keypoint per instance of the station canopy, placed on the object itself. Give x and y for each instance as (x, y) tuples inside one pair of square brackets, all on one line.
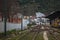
[(53, 15)]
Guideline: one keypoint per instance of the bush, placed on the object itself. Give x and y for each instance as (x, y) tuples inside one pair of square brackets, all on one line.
[(29, 25), (33, 23)]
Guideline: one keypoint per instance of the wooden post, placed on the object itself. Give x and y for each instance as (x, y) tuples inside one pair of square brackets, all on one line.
[(29, 19), (21, 23)]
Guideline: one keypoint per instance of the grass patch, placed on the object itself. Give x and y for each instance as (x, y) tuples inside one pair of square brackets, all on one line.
[(51, 37), (13, 34), (28, 36), (39, 36), (20, 35)]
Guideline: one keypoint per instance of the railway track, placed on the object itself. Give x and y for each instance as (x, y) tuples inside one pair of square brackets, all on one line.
[(30, 34), (33, 31), (54, 34)]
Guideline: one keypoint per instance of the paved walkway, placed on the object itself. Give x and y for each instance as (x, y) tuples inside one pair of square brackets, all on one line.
[(45, 35)]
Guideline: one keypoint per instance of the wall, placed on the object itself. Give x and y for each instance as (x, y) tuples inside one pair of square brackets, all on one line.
[(11, 26)]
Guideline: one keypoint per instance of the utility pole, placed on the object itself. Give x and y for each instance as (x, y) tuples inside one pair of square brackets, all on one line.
[(5, 14)]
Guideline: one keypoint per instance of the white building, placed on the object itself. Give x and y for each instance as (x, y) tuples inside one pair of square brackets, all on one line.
[(40, 19)]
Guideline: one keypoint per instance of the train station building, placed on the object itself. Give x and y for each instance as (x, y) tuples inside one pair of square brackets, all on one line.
[(54, 19)]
